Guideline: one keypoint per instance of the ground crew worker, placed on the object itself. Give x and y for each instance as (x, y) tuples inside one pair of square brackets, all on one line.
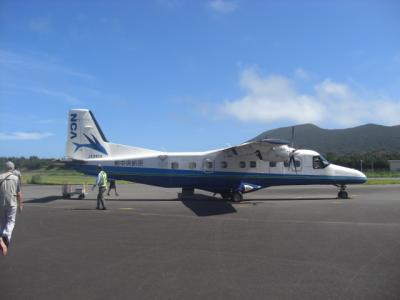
[(101, 182), (10, 199)]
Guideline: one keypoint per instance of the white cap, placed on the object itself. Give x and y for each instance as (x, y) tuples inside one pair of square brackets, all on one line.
[(10, 166)]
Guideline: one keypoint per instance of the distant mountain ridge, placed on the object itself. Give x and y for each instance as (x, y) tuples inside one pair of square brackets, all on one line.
[(360, 139)]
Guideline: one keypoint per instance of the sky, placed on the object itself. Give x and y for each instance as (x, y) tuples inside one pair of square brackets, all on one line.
[(176, 75)]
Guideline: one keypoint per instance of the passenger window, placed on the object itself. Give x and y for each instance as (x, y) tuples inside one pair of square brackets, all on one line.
[(242, 164), (209, 164), (192, 165), (224, 164), (253, 164), (174, 165), (272, 164), (297, 163)]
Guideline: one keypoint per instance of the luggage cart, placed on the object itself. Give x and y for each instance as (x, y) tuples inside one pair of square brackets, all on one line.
[(69, 190)]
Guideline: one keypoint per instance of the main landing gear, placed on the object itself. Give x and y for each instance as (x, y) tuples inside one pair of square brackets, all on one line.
[(342, 194), (234, 196)]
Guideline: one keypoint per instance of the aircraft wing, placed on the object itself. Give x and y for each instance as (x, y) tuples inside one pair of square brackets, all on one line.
[(267, 149)]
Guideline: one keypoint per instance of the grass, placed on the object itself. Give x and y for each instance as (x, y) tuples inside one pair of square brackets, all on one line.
[(375, 181), (382, 174), (56, 176)]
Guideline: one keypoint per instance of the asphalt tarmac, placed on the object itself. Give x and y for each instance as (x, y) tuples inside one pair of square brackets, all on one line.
[(281, 243)]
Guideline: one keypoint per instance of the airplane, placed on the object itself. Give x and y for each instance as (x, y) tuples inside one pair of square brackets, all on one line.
[(230, 172)]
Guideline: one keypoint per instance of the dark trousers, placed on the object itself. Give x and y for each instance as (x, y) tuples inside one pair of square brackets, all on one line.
[(100, 197)]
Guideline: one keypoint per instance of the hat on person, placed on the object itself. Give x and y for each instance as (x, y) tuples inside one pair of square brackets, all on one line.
[(10, 165)]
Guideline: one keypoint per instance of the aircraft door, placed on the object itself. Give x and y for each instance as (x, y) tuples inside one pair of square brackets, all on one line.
[(163, 161), (208, 165)]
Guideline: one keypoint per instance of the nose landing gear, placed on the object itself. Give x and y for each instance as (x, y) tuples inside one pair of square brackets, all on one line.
[(234, 196), (342, 194), (237, 197)]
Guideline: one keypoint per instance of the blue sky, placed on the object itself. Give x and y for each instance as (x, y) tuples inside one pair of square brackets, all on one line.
[(193, 75)]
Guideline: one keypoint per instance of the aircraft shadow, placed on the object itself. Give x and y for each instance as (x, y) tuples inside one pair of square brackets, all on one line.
[(138, 199), (204, 206), (292, 199)]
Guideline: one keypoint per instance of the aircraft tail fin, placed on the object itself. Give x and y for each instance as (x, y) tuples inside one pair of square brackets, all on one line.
[(85, 139)]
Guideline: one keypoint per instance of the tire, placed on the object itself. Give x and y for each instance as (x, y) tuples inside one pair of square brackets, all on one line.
[(226, 196), (81, 196), (343, 195), (236, 197)]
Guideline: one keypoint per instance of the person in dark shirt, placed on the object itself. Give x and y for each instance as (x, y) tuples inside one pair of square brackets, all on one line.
[(112, 186)]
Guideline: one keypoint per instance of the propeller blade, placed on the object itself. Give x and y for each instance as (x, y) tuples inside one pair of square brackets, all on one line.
[(292, 136), (291, 159)]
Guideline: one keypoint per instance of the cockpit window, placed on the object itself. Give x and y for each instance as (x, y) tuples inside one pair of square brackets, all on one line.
[(320, 162)]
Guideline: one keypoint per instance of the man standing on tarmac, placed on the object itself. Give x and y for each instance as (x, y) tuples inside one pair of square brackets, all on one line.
[(101, 182), (10, 199)]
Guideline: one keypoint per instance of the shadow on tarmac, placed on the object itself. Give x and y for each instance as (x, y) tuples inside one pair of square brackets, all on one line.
[(44, 199), (204, 206), (292, 199)]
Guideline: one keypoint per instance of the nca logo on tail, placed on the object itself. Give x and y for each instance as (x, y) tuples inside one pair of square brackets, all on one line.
[(73, 125)]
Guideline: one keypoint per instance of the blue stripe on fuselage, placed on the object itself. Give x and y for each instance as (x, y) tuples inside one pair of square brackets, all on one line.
[(215, 181)]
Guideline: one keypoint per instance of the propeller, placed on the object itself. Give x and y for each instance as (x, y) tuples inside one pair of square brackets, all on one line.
[(292, 137), (292, 160), (292, 153)]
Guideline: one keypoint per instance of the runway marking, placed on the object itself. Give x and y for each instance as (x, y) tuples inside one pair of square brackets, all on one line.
[(270, 221)]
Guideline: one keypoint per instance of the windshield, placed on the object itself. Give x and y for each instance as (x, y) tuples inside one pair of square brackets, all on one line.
[(325, 161), (320, 162)]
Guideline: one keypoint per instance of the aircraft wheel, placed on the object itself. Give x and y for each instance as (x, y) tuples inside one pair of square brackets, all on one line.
[(343, 195), (226, 195), (236, 197), (81, 196)]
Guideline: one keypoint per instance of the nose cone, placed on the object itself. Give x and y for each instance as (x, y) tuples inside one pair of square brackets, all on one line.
[(349, 175), (361, 177)]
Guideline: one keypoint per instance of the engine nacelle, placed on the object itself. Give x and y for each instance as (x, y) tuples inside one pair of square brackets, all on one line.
[(277, 154)]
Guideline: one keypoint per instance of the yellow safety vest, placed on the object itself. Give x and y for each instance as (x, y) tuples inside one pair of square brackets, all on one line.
[(103, 179)]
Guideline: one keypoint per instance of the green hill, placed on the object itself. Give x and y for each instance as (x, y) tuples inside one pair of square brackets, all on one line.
[(360, 139)]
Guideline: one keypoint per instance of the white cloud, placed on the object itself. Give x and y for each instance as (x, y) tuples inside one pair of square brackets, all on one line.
[(275, 98), (223, 6), (301, 73), (60, 95), (41, 63), (271, 99), (23, 136)]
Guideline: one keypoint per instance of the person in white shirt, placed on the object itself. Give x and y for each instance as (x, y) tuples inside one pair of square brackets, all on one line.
[(10, 200), (101, 182)]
